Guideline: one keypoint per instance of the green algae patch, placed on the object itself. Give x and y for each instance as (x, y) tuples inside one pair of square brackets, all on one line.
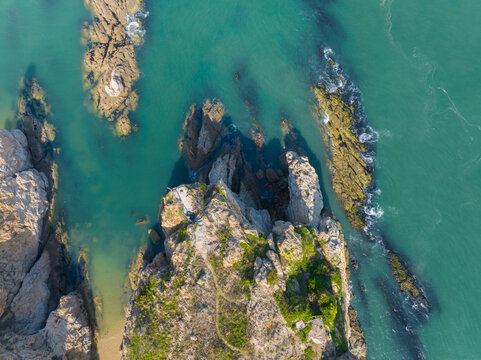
[(406, 281), (350, 174)]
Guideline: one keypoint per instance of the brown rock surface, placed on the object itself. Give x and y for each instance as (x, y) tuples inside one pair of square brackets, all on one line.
[(110, 63)]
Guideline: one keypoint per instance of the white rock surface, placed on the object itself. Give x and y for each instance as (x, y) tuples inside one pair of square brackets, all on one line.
[(23, 205), (30, 305), (67, 331), (305, 203), (14, 154)]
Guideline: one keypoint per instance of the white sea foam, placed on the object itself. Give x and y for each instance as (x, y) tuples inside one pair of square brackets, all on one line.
[(376, 211), (134, 28), (325, 118), (368, 159), (369, 135)]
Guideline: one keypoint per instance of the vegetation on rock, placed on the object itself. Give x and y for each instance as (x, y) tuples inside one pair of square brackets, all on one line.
[(351, 175)]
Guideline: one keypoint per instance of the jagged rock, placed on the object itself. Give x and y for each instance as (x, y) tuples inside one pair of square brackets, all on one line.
[(67, 331), (223, 169), (30, 305), (14, 153), (334, 248), (213, 113), (220, 289), (271, 175), (31, 285), (202, 129), (288, 242), (305, 203), (33, 111), (22, 347), (356, 340), (350, 173), (110, 65), (407, 282), (23, 205)]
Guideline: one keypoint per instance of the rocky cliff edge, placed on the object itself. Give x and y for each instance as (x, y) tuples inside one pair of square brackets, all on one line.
[(234, 283)]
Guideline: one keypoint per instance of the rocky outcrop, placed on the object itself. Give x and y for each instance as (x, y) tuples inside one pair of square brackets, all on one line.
[(67, 331), (110, 63), (351, 175), (202, 128), (234, 284), (33, 260), (23, 206), (407, 282), (305, 204)]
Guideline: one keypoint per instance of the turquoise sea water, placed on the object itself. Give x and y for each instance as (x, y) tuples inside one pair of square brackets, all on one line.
[(415, 64)]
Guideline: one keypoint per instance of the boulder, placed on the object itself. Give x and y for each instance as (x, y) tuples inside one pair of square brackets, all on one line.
[(305, 204), (14, 153), (30, 305), (23, 206), (67, 331)]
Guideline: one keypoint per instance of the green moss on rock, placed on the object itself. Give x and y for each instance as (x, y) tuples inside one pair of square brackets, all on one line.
[(406, 281), (350, 174)]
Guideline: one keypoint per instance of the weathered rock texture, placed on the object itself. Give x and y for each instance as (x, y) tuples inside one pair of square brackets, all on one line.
[(110, 61), (351, 175), (33, 259), (407, 282), (228, 286), (305, 203), (23, 206)]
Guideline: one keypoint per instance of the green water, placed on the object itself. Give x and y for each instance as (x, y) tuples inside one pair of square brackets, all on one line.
[(415, 65)]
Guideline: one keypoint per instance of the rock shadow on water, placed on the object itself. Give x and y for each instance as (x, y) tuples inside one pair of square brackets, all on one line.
[(326, 23)]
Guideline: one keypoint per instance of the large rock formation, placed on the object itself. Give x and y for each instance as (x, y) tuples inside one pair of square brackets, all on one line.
[(305, 203), (23, 206), (232, 284), (351, 175), (110, 61), (33, 260)]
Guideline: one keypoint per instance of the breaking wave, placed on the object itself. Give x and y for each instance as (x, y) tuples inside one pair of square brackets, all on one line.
[(134, 28)]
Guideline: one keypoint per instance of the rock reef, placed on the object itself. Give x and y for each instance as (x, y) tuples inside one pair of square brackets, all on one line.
[(234, 283), (407, 282), (351, 175), (110, 65), (41, 314)]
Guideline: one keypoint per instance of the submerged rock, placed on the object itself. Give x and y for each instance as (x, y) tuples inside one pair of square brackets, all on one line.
[(67, 332), (407, 282), (352, 176), (110, 65)]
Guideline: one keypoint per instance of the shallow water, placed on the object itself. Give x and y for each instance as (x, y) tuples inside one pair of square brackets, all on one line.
[(415, 67)]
